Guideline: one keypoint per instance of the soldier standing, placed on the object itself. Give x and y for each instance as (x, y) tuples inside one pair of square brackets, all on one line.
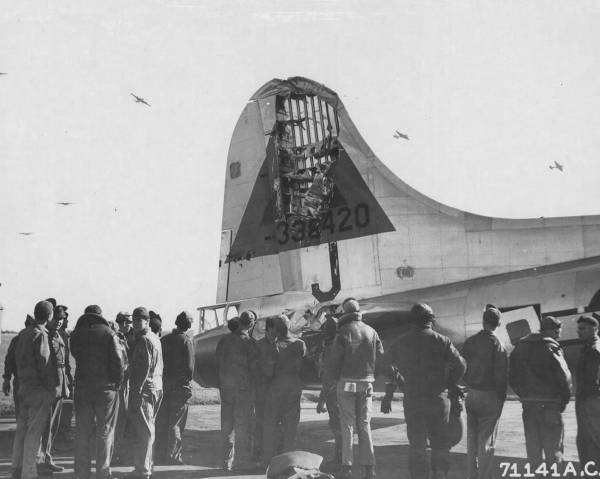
[(328, 399), (351, 368), (145, 394), (126, 338), (237, 363), (98, 378), (429, 365), (66, 415), (487, 379), (267, 354), (10, 366), (540, 377), (587, 399), (58, 359), (37, 391), (282, 402), (178, 358)]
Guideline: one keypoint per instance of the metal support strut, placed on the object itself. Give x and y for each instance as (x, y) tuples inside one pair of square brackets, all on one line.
[(334, 264)]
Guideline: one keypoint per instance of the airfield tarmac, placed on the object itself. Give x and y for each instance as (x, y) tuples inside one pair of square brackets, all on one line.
[(202, 442)]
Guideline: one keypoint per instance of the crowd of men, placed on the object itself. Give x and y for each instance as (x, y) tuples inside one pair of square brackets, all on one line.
[(127, 379), (260, 381), (119, 393)]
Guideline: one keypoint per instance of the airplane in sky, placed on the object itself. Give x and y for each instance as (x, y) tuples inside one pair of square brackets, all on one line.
[(64, 203), (26, 233), (399, 135), (557, 166), (139, 99), (311, 216)]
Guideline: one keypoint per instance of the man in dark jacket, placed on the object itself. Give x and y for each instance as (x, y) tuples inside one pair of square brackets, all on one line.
[(587, 399), (487, 378), (282, 401), (38, 381), (351, 367), (98, 377), (10, 367), (145, 393), (237, 363), (429, 364), (540, 377), (59, 358), (178, 362)]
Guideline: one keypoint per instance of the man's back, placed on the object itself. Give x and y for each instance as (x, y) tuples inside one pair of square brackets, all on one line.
[(538, 370), (33, 360), (487, 362), (427, 361), (178, 360), (237, 360), (95, 348), (146, 363)]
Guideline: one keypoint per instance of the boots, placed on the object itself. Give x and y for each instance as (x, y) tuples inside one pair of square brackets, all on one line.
[(345, 473), (369, 472)]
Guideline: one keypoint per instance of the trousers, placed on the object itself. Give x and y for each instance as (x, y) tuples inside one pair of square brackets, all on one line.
[(483, 412), (50, 431), (142, 414), (236, 414), (34, 409), (95, 410), (333, 410), (355, 410), (544, 431), (170, 424), (121, 447), (427, 418), (588, 430), (281, 415)]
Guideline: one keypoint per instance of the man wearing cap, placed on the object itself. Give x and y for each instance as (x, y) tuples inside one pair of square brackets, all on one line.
[(487, 379), (10, 366), (350, 368), (37, 391), (58, 359), (126, 338), (145, 393), (178, 359), (155, 323), (66, 415), (540, 377), (98, 377), (282, 401), (587, 398), (429, 365), (237, 363)]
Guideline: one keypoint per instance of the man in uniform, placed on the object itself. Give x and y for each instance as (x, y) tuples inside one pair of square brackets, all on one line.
[(587, 398), (237, 363), (58, 359), (540, 377), (328, 399), (267, 356), (487, 379), (178, 358), (66, 415), (429, 364), (10, 366), (145, 393), (98, 378), (126, 338), (282, 401), (351, 368), (37, 391)]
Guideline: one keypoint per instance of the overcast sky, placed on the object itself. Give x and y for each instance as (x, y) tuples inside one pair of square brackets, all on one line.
[(490, 94)]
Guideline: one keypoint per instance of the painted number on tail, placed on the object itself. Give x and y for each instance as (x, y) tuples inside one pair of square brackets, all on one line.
[(343, 220)]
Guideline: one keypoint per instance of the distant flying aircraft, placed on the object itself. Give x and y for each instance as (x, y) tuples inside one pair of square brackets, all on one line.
[(139, 99), (557, 166), (2, 73), (399, 135), (64, 203), (26, 233), (363, 232)]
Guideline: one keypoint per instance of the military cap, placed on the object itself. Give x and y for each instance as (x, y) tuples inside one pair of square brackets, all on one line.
[(93, 309), (350, 305), (43, 310), (550, 322), (422, 312), (588, 320), (123, 317), (141, 312), (247, 318), (52, 301), (184, 320)]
